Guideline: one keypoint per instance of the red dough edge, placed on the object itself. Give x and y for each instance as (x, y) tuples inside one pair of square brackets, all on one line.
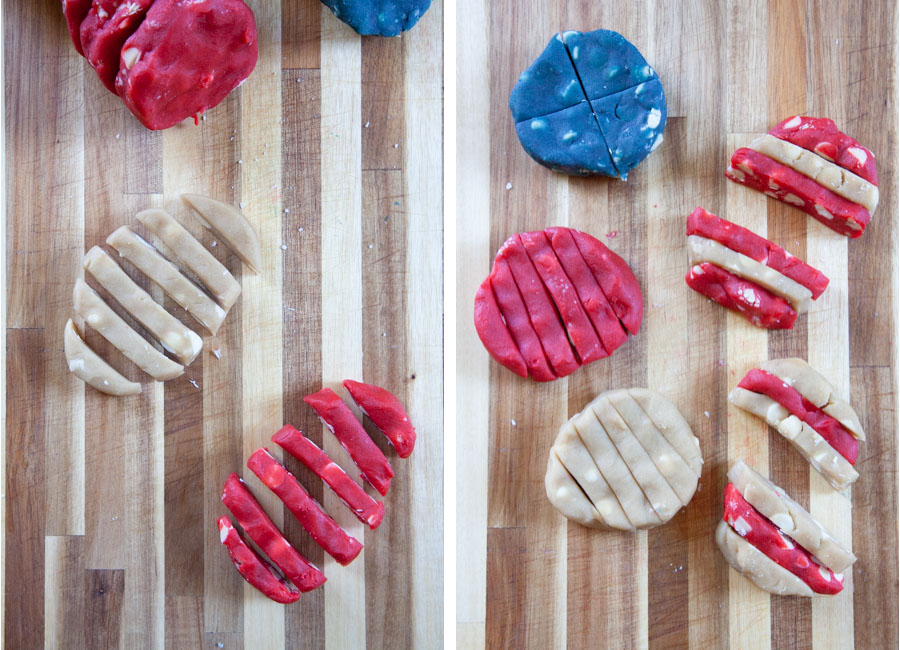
[(75, 12), (730, 291), (493, 332), (255, 569), (744, 241), (785, 552), (387, 413)]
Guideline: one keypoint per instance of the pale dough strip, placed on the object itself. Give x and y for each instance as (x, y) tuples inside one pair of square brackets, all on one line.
[(672, 425), (87, 365)]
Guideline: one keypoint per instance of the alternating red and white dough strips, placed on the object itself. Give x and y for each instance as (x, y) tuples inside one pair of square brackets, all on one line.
[(556, 299), (802, 406), (808, 163), (747, 273), (770, 539)]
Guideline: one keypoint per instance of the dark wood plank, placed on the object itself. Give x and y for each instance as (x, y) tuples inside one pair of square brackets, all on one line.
[(104, 602)]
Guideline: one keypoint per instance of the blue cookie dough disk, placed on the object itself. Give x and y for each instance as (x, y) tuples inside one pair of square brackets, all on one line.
[(632, 122), (379, 17), (547, 86), (607, 63), (567, 141)]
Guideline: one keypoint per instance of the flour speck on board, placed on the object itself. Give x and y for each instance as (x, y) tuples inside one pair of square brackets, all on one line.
[(512, 422), (193, 382), (509, 186)]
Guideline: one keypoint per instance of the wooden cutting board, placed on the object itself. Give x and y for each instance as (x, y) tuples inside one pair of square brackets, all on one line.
[(333, 149), (731, 70)]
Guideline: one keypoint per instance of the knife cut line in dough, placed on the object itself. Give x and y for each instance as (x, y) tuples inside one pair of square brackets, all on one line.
[(100, 316), (88, 366), (671, 424), (175, 337), (150, 262), (568, 496)]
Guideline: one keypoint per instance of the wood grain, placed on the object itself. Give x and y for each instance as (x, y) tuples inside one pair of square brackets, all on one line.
[(730, 70), (111, 504)]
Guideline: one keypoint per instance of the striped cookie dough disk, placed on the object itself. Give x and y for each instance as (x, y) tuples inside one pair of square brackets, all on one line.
[(627, 461)]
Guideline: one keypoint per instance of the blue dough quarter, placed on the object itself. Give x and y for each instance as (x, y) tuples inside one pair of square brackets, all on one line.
[(599, 87), (567, 141), (379, 17)]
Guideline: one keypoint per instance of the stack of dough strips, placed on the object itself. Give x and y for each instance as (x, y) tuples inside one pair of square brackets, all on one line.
[(207, 305)]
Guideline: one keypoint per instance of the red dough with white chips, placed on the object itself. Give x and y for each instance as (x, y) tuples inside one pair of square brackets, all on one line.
[(556, 299), (255, 569)]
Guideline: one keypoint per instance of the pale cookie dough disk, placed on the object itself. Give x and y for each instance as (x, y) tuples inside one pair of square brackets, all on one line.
[(230, 225), (577, 461), (85, 364), (800, 376), (182, 342), (110, 325), (790, 517), (752, 563), (211, 272), (701, 249), (828, 174), (187, 294), (634, 476)]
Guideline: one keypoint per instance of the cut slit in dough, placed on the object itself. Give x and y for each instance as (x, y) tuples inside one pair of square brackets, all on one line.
[(85, 364), (617, 469), (146, 258), (214, 276), (229, 225), (99, 316), (182, 342)]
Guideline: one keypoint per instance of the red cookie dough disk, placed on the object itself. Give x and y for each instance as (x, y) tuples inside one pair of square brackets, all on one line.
[(106, 27), (759, 306), (762, 533), (700, 222), (763, 174), (556, 299), (821, 136), (843, 442), (185, 58), (255, 569), (75, 12)]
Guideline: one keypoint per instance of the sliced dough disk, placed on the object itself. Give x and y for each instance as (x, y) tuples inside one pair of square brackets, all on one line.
[(671, 424), (229, 225), (753, 564), (822, 456), (184, 343), (830, 175), (146, 258), (701, 249), (668, 462), (660, 494), (85, 364), (575, 457), (632, 500), (567, 497), (803, 378), (214, 276), (110, 325), (790, 517)]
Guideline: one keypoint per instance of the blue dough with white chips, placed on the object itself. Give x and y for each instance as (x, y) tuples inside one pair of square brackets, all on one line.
[(589, 104), (379, 17)]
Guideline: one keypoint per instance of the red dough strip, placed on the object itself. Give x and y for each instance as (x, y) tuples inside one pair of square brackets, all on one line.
[(255, 570), (598, 309), (744, 241), (581, 332), (516, 315), (821, 136), (370, 460), (386, 411), (765, 536), (315, 521), (256, 523), (185, 58), (493, 332), (615, 279), (366, 509), (843, 442), (759, 306), (105, 30), (75, 12), (848, 218), (541, 310)]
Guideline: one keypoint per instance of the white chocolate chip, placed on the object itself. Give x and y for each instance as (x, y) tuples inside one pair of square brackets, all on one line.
[(824, 213), (793, 199), (130, 56), (793, 123), (859, 154)]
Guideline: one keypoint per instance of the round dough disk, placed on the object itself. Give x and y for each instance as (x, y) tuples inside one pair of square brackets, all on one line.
[(627, 461)]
